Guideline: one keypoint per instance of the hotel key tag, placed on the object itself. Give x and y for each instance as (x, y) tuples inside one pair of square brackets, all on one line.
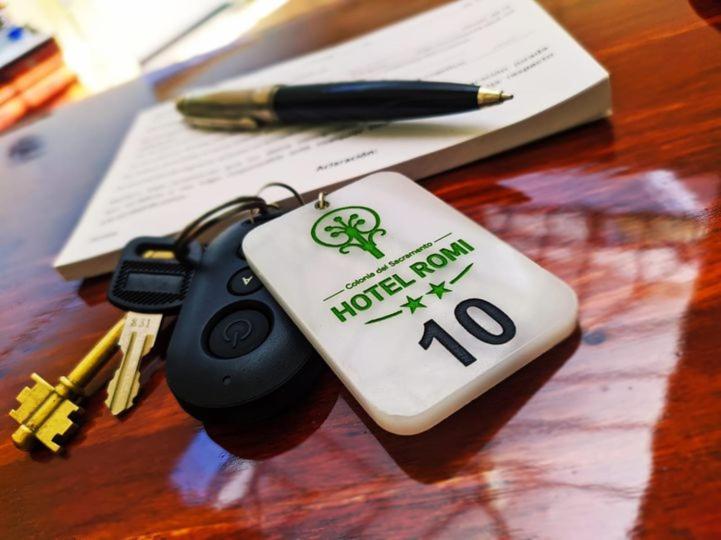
[(415, 307)]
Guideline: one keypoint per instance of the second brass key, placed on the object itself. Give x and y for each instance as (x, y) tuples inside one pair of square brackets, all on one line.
[(136, 341)]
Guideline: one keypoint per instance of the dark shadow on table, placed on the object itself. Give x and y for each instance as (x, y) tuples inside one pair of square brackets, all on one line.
[(439, 453), (268, 438), (710, 10), (94, 290)]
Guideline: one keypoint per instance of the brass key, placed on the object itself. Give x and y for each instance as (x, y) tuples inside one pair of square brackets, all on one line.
[(45, 412), (136, 340)]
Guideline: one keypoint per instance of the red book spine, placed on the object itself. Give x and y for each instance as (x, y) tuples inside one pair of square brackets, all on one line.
[(30, 82), (28, 61), (11, 111), (48, 87)]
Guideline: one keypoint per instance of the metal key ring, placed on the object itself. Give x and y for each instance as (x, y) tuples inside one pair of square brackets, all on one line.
[(321, 203)]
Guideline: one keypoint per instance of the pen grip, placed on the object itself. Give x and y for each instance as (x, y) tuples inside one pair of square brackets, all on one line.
[(369, 101)]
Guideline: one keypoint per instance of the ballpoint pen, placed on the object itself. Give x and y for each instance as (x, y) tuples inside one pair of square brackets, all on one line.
[(333, 102)]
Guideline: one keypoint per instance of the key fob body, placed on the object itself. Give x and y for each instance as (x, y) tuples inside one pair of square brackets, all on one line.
[(234, 353)]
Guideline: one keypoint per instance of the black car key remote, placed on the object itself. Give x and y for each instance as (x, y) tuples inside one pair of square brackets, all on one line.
[(234, 352)]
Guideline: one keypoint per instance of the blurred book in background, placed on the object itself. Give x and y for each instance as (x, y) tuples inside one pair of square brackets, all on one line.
[(107, 43), (33, 74)]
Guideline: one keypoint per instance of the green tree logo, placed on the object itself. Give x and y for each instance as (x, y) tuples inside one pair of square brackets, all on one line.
[(347, 227)]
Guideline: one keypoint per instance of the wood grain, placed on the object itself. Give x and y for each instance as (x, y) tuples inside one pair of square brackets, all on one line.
[(614, 433)]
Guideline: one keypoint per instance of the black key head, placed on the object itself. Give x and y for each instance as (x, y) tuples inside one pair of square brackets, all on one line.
[(149, 279)]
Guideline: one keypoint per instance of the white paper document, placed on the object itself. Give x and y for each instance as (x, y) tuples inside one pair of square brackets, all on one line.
[(166, 173)]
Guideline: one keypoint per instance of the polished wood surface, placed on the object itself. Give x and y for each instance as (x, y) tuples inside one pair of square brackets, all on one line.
[(614, 433)]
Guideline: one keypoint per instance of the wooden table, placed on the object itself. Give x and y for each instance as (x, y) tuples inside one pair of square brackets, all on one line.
[(614, 433)]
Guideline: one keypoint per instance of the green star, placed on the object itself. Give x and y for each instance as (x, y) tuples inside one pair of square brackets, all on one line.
[(439, 290), (413, 303)]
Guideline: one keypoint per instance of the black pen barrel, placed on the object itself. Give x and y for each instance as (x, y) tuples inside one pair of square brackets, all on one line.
[(369, 101)]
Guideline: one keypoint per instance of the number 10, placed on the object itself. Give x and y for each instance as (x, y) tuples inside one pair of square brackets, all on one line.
[(432, 330)]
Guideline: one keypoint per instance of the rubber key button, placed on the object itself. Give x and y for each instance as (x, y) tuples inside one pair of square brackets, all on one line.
[(238, 333), (244, 282)]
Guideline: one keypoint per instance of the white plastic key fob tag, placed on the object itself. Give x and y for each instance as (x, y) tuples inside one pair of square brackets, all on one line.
[(415, 307)]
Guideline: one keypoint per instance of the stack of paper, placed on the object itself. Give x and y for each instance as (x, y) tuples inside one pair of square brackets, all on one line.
[(166, 173)]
